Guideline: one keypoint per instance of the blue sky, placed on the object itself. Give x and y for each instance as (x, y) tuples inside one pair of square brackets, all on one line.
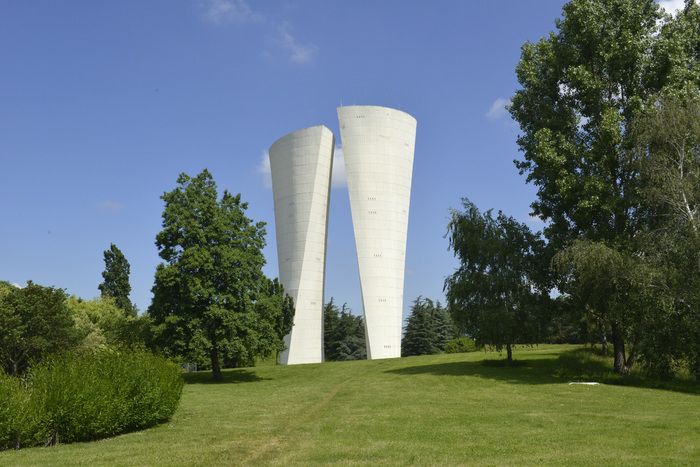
[(102, 104)]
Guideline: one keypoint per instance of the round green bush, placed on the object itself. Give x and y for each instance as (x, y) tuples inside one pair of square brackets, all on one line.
[(461, 345), (85, 396)]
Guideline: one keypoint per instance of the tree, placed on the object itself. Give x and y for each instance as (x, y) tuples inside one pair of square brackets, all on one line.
[(582, 88), (494, 295), (331, 317), (276, 310), (428, 329), (34, 322), (101, 323), (618, 289), (205, 296), (344, 334), (116, 279), (669, 155)]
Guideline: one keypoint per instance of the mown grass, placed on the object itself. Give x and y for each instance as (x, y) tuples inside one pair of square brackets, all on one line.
[(444, 409)]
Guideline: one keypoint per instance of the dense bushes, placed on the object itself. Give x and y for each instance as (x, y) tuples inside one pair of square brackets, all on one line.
[(461, 345), (84, 396), (34, 322)]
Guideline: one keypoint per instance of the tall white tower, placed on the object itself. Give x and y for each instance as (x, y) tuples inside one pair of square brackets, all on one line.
[(301, 164), (378, 146)]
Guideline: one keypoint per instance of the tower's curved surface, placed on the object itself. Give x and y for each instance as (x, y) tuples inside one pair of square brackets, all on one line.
[(378, 147), (301, 164)]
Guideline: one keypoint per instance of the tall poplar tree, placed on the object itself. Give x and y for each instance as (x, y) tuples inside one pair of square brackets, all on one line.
[(116, 279), (581, 89)]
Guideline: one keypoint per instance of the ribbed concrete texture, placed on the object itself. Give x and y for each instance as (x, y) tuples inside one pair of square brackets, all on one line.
[(378, 146), (301, 164)]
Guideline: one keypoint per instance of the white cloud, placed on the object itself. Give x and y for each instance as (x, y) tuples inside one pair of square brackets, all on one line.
[(499, 109), (264, 169), (15, 284), (228, 11), (298, 53), (110, 205), (338, 177), (672, 6)]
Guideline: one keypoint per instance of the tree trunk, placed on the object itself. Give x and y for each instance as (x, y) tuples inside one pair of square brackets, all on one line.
[(618, 350), (605, 345), (215, 365), (630, 362), (509, 351)]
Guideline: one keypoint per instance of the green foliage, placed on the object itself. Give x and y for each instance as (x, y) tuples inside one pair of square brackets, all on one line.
[(343, 334), (461, 344), (102, 323), (497, 292), (598, 141), (428, 329), (669, 156), (581, 88), (16, 420), (115, 283), (89, 395), (205, 294), (616, 288), (34, 322), (276, 314)]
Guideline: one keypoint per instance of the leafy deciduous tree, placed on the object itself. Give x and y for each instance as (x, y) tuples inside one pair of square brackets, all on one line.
[(34, 322), (494, 296), (204, 297)]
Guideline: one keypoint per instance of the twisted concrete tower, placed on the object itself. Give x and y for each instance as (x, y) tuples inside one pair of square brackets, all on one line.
[(378, 146), (301, 164)]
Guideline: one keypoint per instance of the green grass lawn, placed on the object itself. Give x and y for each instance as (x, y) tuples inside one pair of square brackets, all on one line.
[(443, 409)]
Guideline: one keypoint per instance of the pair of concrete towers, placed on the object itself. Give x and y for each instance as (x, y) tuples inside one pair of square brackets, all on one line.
[(378, 147)]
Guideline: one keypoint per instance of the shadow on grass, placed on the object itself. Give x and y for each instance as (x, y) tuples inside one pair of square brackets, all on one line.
[(572, 365), (522, 372), (228, 377)]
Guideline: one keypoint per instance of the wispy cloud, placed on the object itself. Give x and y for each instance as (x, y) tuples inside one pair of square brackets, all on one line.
[(499, 109), (279, 35), (15, 284), (338, 177), (110, 205), (228, 12), (297, 52), (672, 6), (264, 169)]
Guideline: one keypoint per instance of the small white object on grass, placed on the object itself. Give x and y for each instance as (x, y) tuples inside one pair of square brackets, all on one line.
[(587, 383)]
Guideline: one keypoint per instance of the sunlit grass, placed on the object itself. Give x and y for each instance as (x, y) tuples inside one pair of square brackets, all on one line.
[(444, 409)]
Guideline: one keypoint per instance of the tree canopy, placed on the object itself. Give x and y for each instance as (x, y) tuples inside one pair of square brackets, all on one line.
[(34, 322), (209, 292), (115, 277), (428, 329), (343, 333), (494, 296)]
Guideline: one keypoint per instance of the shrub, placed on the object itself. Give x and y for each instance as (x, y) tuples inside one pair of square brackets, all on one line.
[(85, 396), (13, 403), (461, 345)]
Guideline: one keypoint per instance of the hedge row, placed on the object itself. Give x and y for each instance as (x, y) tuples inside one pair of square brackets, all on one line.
[(86, 396)]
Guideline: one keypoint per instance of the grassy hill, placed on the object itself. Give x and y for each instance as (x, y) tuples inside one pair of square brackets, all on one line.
[(444, 409)]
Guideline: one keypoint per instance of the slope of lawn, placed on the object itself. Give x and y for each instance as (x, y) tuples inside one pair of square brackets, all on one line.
[(443, 409)]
